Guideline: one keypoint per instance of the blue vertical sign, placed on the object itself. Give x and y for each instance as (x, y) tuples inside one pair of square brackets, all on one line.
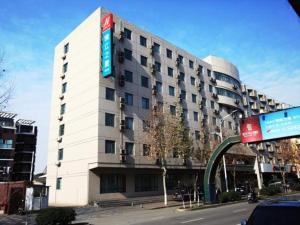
[(106, 49)]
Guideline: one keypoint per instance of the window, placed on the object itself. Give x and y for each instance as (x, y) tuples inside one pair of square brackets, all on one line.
[(64, 88), (193, 81), (197, 135), (195, 116), (128, 54), (146, 182), (185, 114), (143, 41), (127, 33), (169, 53), (146, 150), (230, 125), (110, 94), (109, 147), (180, 58), (129, 148), (214, 121), (145, 103), (58, 183), (143, 60), (181, 75), (128, 99), (191, 64), (129, 123), (170, 72), (227, 93), (144, 81), (171, 91), (210, 88), (226, 78), (61, 130), (65, 67), (156, 48), (208, 73), (62, 109), (109, 120), (158, 87), (112, 183), (183, 94), (157, 66), (212, 104), (128, 76), (66, 48), (173, 110), (60, 155), (194, 98)]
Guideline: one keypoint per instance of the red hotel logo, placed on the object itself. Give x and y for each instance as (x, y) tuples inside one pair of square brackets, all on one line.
[(107, 22), (250, 130)]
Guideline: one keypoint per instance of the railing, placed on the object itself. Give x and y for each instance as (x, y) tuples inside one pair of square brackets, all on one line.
[(6, 146)]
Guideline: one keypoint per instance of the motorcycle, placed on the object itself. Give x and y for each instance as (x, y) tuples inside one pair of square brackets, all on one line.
[(252, 198)]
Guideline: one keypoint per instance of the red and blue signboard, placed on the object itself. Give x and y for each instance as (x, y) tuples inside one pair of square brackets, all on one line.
[(106, 45), (271, 126)]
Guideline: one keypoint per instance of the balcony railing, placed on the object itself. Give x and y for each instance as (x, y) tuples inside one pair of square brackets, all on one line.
[(6, 146)]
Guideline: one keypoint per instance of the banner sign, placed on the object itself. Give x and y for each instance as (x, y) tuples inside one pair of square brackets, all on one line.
[(270, 126), (106, 45)]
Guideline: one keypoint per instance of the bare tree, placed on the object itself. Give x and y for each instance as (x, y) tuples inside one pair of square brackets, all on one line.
[(167, 134), (5, 86)]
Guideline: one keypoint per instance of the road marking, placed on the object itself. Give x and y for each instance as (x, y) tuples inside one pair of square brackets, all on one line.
[(239, 210), (189, 221)]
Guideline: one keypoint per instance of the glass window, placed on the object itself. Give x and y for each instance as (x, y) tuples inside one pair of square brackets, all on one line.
[(191, 64), (128, 99), (61, 130), (146, 150), (129, 123), (195, 116), (110, 94), (212, 104), (129, 146), (109, 147), (230, 125), (64, 88), (58, 183), (180, 58), (65, 67), (127, 33), (145, 103), (128, 54), (66, 48), (185, 114), (112, 183), (60, 155), (227, 93), (158, 87), (214, 121), (144, 81), (193, 81), (156, 48), (197, 135), (143, 41), (171, 91), (183, 94), (143, 60), (182, 76), (157, 66), (173, 109), (208, 73), (146, 182), (210, 88), (109, 119), (170, 72), (169, 53), (194, 98), (226, 78), (62, 109), (128, 76)]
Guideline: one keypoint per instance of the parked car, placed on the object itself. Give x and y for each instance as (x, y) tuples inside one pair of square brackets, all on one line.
[(241, 190), (275, 212)]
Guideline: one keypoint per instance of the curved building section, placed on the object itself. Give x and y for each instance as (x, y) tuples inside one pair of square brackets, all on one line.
[(228, 85)]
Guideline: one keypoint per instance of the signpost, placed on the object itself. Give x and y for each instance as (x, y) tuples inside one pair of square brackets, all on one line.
[(106, 45)]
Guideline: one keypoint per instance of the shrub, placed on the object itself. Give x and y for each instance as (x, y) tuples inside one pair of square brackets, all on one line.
[(55, 216), (269, 191), (295, 187), (230, 196)]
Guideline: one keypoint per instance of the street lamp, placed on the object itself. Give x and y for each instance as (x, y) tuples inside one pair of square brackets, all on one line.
[(220, 134)]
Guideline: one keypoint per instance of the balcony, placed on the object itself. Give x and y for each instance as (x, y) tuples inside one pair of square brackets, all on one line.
[(254, 106), (271, 102), (262, 98), (245, 102), (253, 94), (6, 146), (244, 89)]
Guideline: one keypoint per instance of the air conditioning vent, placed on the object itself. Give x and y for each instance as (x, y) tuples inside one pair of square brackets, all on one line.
[(121, 57)]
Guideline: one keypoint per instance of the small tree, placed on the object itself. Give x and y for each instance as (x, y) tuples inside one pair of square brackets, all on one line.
[(167, 134)]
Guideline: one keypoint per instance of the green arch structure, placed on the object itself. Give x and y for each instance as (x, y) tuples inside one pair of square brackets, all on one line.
[(211, 168)]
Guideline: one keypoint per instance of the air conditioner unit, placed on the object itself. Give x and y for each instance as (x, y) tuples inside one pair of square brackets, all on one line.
[(123, 155), (154, 90), (217, 112), (61, 96), (152, 50), (235, 87), (58, 163), (177, 61), (237, 101), (59, 139), (213, 80), (121, 80), (121, 36), (62, 76), (122, 125), (154, 107), (122, 103), (214, 95), (152, 69), (60, 117), (64, 57), (121, 57)]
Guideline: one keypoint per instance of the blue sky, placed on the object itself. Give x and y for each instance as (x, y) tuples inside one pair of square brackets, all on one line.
[(262, 38)]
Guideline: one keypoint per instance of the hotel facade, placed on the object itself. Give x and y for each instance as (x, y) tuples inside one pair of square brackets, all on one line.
[(98, 124)]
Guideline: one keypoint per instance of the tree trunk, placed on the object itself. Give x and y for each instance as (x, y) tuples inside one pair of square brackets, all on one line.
[(164, 185), (195, 188), (234, 177)]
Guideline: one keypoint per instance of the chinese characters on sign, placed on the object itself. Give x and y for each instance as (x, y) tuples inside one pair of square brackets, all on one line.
[(106, 49), (250, 130)]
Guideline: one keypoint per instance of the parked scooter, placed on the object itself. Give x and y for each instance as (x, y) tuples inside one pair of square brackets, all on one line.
[(252, 197)]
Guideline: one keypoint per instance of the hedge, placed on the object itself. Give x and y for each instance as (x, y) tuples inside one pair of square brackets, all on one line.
[(230, 196), (269, 191), (55, 216)]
